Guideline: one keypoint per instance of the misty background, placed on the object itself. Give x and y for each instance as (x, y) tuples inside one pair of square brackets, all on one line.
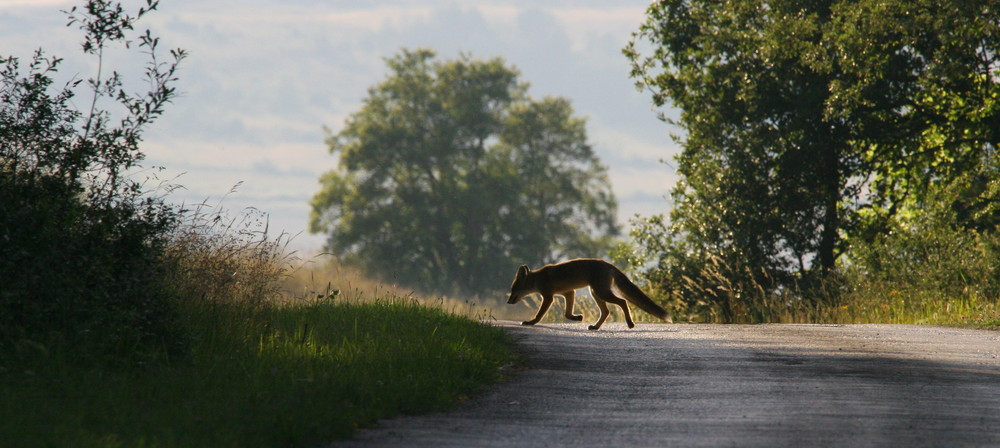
[(263, 78)]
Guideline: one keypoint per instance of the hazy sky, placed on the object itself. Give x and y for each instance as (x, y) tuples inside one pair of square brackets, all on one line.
[(264, 77)]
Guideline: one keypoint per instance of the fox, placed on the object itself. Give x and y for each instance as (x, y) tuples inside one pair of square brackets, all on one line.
[(566, 277)]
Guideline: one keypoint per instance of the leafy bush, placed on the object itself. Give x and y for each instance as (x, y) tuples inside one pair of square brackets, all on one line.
[(929, 252), (76, 273), (81, 241)]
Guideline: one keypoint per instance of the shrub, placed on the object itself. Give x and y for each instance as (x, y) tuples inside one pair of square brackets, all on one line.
[(81, 276), (928, 253), (81, 242)]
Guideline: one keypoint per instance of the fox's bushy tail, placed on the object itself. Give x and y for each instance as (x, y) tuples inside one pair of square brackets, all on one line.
[(636, 296)]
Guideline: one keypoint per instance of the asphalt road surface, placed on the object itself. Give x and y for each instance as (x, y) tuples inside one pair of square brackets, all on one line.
[(728, 385)]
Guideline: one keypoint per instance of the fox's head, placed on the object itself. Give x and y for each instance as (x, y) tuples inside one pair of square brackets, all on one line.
[(519, 288)]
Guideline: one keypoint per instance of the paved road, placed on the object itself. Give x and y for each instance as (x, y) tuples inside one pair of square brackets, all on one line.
[(729, 385)]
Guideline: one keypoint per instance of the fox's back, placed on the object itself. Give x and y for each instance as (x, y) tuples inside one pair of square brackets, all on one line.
[(574, 274)]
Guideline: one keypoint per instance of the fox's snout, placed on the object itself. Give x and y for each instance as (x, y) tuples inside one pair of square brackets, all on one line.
[(512, 299)]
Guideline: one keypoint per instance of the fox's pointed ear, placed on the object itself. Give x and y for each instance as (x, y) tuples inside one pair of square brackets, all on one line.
[(522, 271)]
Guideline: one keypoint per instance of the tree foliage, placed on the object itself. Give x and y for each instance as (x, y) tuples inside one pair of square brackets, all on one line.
[(919, 85), (805, 122), (80, 238), (450, 175), (763, 170)]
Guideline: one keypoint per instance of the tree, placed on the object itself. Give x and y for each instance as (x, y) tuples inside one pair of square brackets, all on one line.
[(450, 176), (763, 168), (799, 116)]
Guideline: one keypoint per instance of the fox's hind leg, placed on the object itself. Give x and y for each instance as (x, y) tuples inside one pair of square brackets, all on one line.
[(546, 302), (570, 296), (602, 293)]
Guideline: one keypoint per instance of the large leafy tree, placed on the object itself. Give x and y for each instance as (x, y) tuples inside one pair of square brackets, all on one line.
[(917, 82), (450, 176), (763, 168), (799, 119)]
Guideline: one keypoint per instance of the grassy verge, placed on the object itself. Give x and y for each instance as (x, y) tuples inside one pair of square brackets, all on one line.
[(965, 312), (257, 376), (876, 305)]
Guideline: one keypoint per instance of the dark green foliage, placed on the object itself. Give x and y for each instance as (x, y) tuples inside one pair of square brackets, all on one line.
[(81, 276), (918, 86), (450, 176), (763, 168), (81, 243), (807, 126)]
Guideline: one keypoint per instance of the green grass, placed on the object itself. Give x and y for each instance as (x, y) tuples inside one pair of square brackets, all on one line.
[(258, 375)]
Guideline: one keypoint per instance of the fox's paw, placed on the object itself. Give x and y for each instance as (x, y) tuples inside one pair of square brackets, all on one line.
[(631, 324), (528, 322), (576, 317), (593, 327)]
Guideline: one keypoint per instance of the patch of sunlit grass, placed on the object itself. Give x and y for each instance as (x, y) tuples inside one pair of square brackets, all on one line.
[(913, 307)]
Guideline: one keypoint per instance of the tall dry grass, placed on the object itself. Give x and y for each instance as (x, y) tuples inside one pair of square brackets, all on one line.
[(324, 279), (218, 257)]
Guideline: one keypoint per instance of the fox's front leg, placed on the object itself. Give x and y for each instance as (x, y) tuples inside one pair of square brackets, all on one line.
[(605, 312), (570, 296), (546, 302)]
